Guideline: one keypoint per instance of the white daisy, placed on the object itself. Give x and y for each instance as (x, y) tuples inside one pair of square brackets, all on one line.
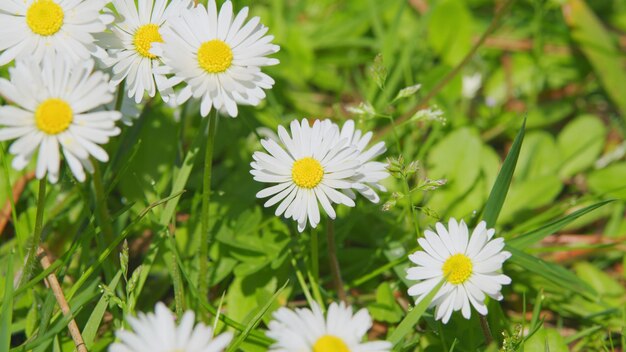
[(218, 57), (40, 28), (54, 100), (370, 172), (307, 330), (469, 266), (310, 167), (157, 332), (130, 43)]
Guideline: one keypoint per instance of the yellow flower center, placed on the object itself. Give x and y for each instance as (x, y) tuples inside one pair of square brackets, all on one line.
[(457, 269), (307, 172), (144, 37), (215, 56), (330, 343), (53, 116), (45, 17)]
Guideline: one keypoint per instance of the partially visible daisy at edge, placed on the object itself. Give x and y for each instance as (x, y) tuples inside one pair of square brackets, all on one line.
[(158, 332), (469, 266), (38, 29), (54, 103), (218, 57), (129, 45), (312, 165), (308, 330), (369, 174)]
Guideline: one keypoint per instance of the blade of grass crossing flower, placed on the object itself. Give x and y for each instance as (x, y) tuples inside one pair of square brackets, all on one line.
[(255, 320), (503, 181), (91, 328), (7, 307), (407, 324), (534, 236)]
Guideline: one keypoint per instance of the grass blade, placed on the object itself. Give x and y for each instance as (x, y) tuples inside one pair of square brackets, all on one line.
[(255, 320), (91, 328), (7, 308), (503, 181), (534, 236), (410, 320)]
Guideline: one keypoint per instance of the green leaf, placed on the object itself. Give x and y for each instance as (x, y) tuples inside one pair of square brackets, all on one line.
[(609, 181), (450, 30), (7, 307), (530, 194), (552, 272), (600, 48), (386, 308), (534, 236), (255, 320), (91, 328), (410, 320), (580, 143), (501, 186), (546, 339)]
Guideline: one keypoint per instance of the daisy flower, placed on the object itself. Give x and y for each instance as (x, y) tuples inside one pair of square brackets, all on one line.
[(370, 173), (53, 103), (469, 266), (157, 332), (312, 165), (218, 56), (40, 28), (308, 330), (130, 42)]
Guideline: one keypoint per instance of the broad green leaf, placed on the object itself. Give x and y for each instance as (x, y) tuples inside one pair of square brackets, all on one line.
[(546, 339), (580, 143), (603, 283), (532, 237), (609, 182), (450, 30), (385, 308), (600, 48), (410, 320), (6, 315), (255, 320), (501, 186), (539, 156), (530, 194)]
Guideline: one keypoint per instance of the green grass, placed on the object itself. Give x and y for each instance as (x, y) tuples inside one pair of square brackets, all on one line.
[(538, 153)]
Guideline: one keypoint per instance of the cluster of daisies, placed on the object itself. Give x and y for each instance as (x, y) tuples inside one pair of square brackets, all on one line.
[(70, 57), (468, 266)]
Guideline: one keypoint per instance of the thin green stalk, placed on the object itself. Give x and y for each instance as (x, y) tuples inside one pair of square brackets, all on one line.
[(334, 263), (411, 211), (31, 259), (206, 238), (175, 272), (313, 271), (300, 277), (104, 217)]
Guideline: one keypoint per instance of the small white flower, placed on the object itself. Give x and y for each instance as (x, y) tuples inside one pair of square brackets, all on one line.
[(471, 85), (54, 100), (469, 266), (218, 56), (312, 166), (307, 330), (38, 29), (130, 43), (157, 332), (369, 172)]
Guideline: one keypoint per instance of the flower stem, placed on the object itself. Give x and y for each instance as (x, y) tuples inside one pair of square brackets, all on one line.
[(484, 325), (313, 271), (206, 238), (334, 263), (411, 211), (31, 259), (104, 217)]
